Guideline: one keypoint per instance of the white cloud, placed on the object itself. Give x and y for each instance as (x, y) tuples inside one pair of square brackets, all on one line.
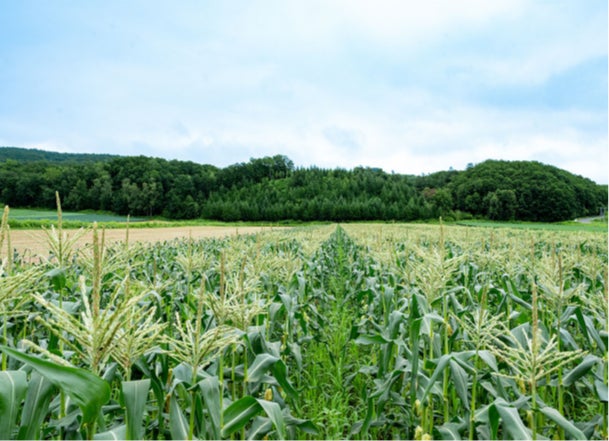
[(400, 85)]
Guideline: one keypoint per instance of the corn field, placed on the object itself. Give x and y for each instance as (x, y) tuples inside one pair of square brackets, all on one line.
[(348, 332)]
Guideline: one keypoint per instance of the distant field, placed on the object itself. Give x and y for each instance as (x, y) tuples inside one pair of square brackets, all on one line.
[(35, 242), (22, 214), (563, 226)]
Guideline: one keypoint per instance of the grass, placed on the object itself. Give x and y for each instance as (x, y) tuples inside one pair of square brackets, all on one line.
[(26, 218), (558, 226), (35, 217)]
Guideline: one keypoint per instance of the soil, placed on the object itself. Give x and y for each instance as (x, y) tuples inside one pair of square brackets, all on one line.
[(34, 242)]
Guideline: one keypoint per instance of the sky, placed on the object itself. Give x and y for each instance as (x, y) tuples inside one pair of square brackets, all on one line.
[(408, 86)]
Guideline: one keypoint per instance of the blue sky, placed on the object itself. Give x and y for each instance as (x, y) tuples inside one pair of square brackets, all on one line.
[(409, 86)]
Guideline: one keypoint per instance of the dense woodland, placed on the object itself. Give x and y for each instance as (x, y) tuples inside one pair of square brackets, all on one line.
[(273, 189)]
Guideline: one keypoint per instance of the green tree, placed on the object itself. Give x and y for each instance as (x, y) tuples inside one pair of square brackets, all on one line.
[(502, 205)]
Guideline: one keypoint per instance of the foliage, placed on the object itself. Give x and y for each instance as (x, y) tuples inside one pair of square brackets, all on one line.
[(542, 193), (273, 189), (362, 331)]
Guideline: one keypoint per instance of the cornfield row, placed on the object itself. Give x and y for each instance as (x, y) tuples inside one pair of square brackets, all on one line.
[(355, 332)]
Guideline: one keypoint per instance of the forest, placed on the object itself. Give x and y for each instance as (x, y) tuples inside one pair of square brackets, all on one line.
[(274, 189)]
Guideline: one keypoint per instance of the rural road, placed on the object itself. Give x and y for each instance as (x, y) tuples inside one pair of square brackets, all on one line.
[(587, 220)]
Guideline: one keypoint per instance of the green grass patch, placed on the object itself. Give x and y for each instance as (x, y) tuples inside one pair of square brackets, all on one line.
[(558, 226), (25, 218), (26, 214)]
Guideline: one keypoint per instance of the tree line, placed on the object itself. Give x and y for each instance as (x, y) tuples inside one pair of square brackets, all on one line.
[(273, 189)]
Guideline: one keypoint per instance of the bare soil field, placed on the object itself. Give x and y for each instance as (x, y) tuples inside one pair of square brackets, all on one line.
[(34, 242)]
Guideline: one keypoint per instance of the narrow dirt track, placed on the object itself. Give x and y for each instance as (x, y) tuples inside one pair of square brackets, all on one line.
[(34, 242)]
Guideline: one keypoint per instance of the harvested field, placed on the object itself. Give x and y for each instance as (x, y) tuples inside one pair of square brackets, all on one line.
[(34, 242)]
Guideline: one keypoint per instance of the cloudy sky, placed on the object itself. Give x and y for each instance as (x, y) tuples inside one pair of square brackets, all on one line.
[(409, 86)]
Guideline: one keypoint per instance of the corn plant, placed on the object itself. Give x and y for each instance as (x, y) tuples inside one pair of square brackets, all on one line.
[(351, 332)]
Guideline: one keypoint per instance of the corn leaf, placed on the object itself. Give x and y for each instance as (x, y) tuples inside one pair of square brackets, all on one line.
[(135, 394), (259, 367), (601, 390), (86, 389), (493, 421), (280, 372), (443, 362), (13, 386), (178, 426), (511, 420), (238, 414), (567, 425), (37, 400), (489, 359), (580, 370), (260, 427), (210, 390), (459, 377), (273, 411), (449, 431), (117, 433)]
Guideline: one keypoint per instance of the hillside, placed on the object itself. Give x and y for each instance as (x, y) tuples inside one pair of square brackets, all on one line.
[(525, 190), (32, 155), (273, 189)]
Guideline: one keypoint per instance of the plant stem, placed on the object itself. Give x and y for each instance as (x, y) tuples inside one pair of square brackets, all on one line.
[(232, 374), (473, 403), (5, 341), (191, 425), (221, 380), (534, 350), (445, 375), (560, 392)]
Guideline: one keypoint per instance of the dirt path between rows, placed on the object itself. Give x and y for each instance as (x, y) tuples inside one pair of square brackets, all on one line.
[(34, 242)]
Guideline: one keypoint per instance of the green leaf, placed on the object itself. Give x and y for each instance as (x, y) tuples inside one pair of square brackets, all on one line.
[(442, 364), (488, 358), (414, 328), (178, 426), (280, 372), (117, 433), (37, 400), (86, 389), (305, 425), (58, 278), (368, 417), (273, 411), (459, 377), (242, 411), (511, 420), (210, 389), (580, 370), (587, 327), (135, 394), (371, 339), (238, 414), (493, 421), (260, 427), (567, 425), (601, 390), (449, 431), (259, 367), (13, 385)]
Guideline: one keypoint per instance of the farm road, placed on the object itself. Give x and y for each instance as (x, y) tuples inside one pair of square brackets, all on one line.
[(35, 241), (587, 220)]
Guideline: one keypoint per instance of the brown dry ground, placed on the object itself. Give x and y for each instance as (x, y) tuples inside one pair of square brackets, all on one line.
[(34, 242)]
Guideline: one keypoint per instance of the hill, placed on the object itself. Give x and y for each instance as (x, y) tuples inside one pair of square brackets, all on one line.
[(273, 189), (525, 190), (32, 155)]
